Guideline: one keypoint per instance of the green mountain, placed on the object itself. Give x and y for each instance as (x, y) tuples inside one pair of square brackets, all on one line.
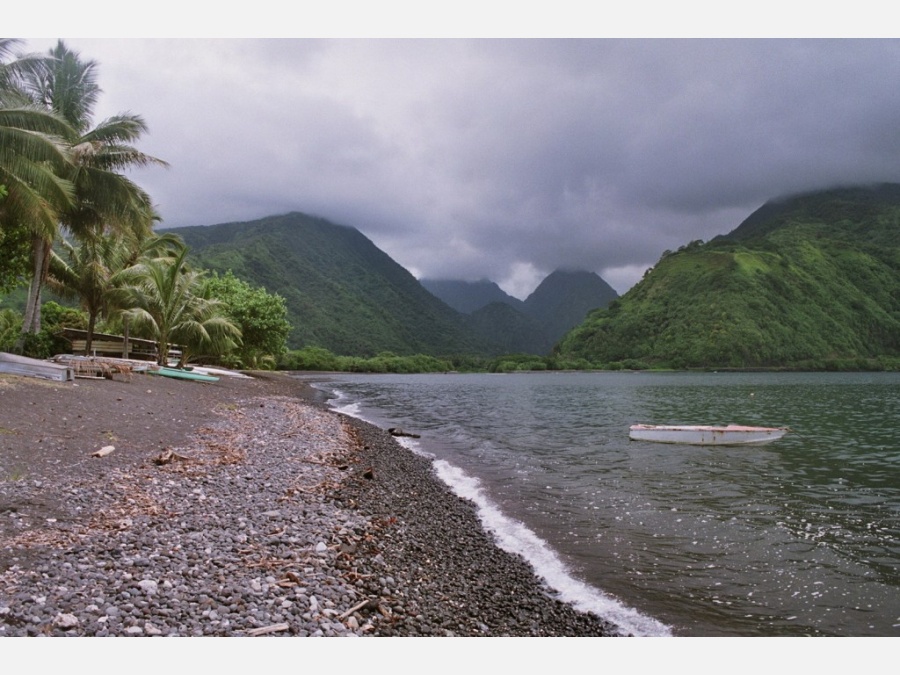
[(346, 295), (342, 292), (563, 300), (559, 303), (469, 296), (511, 331), (811, 280)]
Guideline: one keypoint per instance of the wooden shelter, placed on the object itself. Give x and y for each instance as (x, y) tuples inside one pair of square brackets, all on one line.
[(104, 344)]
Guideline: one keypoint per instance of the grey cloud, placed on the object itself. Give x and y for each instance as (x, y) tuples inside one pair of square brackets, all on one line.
[(501, 158)]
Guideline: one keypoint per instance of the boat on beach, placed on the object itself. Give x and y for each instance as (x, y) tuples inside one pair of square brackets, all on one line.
[(732, 434), (182, 374)]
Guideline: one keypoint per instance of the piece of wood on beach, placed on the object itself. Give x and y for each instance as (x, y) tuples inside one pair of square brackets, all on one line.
[(168, 456), (368, 603), (104, 451), (264, 630), (395, 431)]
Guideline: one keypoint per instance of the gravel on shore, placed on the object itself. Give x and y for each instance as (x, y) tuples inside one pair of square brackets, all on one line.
[(273, 517)]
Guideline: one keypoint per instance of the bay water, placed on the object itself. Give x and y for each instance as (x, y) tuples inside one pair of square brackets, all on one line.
[(797, 537)]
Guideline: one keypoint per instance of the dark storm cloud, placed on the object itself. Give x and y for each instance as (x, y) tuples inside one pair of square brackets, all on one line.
[(503, 158)]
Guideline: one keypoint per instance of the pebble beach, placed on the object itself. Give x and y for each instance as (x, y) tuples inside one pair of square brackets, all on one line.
[(259, 513)]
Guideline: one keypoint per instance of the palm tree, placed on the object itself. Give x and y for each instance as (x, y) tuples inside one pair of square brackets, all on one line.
[(169, 300), (91, 271), (153, 246), (33, 158), (104, 199), (86, 272)]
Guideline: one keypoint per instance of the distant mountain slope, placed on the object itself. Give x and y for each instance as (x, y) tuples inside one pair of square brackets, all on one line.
[(511, 331), (558, 304), (563, 300), (469, 296), (342, 292), (804, 281)]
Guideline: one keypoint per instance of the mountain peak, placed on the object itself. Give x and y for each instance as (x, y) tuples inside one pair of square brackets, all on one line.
[(564, 298)]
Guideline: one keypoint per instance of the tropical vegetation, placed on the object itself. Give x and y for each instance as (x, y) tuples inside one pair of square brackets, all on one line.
[(103, 198), (319, 359), (73, 222), (172, 303), (260, 316), (342, 293), (810, 282)]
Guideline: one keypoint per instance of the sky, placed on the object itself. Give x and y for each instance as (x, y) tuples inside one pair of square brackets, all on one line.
[(484, 154)]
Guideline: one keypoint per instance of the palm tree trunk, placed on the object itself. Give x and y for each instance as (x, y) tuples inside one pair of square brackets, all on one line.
[(40, 261), (89, 340), (125, 348), (43, 272), (163, 356)]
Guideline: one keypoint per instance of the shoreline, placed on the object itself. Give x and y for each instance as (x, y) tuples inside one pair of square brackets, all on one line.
[(278, 516)]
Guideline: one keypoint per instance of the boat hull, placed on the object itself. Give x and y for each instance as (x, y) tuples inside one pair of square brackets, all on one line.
[(732, 434), (183, 374)]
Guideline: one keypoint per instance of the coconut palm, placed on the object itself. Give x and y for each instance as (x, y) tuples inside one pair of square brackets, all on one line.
[(33, 158), (153, 246), (91, 271), (169, 300), (104, 198), (86, 272)]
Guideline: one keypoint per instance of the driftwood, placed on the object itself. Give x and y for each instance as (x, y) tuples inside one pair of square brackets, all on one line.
[(169, 456), (394, 431), (104, 451), (368, 603), (263, 630), (290, 580)]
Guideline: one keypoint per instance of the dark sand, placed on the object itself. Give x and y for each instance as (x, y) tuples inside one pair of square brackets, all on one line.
[(448, 576)]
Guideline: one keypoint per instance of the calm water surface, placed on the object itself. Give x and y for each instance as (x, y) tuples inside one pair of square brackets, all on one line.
[(798, 537)]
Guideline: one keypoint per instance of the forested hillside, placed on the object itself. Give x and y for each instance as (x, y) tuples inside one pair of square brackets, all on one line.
[(563, 299), (510, 330), (342, 292), (808, 281)]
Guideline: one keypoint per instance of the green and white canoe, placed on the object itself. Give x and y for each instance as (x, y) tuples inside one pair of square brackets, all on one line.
[(183, 374)]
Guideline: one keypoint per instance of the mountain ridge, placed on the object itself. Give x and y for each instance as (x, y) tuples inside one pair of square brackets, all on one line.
[(558, 304), (342, 292), (469, 296), (345, 294), (804, 281)]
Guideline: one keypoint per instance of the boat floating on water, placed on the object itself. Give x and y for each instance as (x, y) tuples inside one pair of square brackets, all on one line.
[(733, 434)]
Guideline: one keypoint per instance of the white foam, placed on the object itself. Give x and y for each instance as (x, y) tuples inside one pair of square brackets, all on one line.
[(515, 537), (341, 403)]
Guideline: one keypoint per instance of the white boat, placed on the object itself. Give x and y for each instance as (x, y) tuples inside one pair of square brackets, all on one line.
[(733, 434)]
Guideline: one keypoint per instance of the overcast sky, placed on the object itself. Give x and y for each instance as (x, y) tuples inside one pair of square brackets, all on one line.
[(503, 158)]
